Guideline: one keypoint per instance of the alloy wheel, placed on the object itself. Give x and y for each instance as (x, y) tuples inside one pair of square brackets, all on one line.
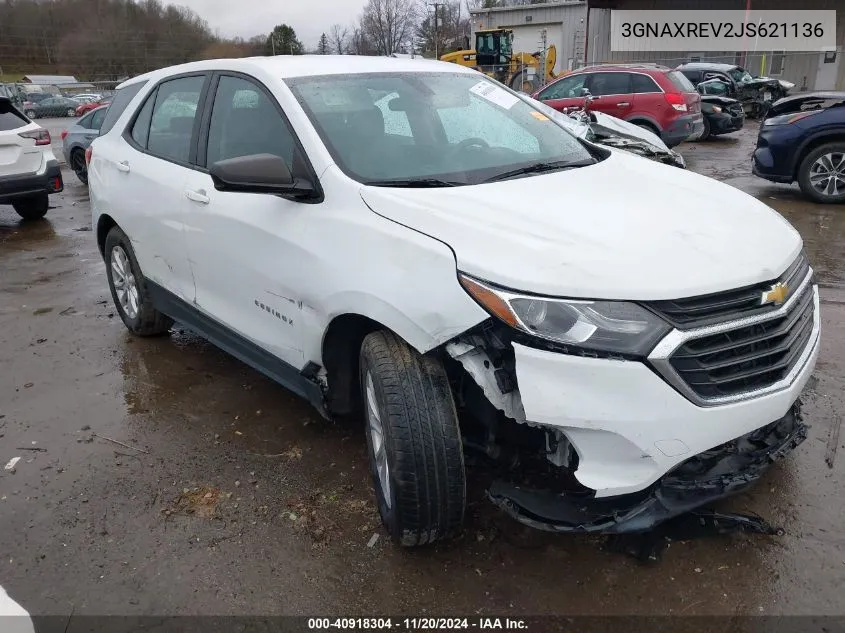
[(125, 284), (827, 174), (376, 430)]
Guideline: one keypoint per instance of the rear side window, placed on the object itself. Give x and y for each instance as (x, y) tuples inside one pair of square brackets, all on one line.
[(121, 99), (97, 118), (680, 81), (642, 84), (172, 121), (141, 127), (10, 118), (610, 84)]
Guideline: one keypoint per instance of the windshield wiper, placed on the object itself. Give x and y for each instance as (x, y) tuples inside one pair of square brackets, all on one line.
[(419, 183), (539, 168)]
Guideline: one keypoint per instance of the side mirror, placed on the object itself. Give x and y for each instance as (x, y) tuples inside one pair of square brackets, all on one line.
[(585, 92), (259, 173)]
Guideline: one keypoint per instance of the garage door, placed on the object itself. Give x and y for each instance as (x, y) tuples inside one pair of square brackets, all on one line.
[(527, 39)]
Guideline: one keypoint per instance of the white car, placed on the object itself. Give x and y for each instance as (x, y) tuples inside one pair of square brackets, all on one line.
[(411, 240), (29, 171)]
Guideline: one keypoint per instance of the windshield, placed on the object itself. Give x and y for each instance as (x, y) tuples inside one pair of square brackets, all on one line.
[(459, 128), (740, 75)]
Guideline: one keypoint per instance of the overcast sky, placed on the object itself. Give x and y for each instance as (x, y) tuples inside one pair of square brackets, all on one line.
[(246, 18)]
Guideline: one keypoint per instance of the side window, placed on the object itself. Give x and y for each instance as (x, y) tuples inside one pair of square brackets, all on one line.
[(693, 75), (141, 127), (610, 84), (121, 99), (245, 121), (172, 121), (566, 88), (97, 119), (642, 84), (481, 120), (395, 121)]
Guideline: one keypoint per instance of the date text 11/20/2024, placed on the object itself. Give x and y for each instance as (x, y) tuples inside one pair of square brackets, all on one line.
[(418, 624)]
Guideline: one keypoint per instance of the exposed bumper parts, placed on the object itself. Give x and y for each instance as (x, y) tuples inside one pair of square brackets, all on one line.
[(714, 474), (26, 185)]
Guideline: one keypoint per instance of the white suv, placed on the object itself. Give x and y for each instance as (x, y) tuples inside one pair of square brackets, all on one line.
[(411, 240), (29, 171)]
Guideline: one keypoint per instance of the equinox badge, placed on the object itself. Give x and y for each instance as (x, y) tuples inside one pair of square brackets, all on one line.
[(776, 294)]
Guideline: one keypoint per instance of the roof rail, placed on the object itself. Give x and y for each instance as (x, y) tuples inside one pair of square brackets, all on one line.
[(630, 65)]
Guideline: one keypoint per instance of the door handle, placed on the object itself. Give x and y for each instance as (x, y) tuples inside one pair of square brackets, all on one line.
[(624, 104), (123, 166), (198, 196)]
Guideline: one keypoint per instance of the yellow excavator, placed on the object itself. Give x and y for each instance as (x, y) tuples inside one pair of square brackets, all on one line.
[(493, 55)]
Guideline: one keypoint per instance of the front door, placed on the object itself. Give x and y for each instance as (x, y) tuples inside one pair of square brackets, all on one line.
[(244, 247), (826, 73), (565, 93)]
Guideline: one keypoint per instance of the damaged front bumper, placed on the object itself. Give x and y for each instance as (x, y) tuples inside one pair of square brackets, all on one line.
[(703, 479)]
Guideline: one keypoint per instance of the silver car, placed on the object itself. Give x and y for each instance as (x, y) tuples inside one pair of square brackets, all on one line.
[(77, 138)]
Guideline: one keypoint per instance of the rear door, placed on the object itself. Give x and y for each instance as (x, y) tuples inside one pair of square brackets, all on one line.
[(648, 100), (18, 155), (611, 93), (565, 93), (153, 163)]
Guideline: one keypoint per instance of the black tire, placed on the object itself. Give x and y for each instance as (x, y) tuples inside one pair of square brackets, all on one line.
[(30, 114), (148, 321), (71, 112), (521, 83), (33, 208), (77, 164), (647, 126), (426, 495), (804, 172), (706, 134)]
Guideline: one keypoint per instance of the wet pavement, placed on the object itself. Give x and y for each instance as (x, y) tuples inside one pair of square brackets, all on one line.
[(161, 476)]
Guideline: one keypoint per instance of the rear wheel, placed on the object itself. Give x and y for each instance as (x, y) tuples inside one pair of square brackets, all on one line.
[(71, 112), (77, 164), (129, 288), (33, 208), (30, 114), (821, 174), (647, 126), (413, 440)]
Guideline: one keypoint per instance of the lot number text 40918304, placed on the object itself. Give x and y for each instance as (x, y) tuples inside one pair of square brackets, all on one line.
[(417, 624)]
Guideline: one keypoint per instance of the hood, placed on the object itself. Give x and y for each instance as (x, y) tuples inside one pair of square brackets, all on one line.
[(604, 123), (722, 101), (806, 101), (625, 228)]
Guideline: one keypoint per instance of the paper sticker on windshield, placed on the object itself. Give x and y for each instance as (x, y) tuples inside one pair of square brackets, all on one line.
[(494, 94), (539, 116)]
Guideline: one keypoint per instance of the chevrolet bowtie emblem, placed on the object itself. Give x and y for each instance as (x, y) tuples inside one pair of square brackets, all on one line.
[(776, 294)]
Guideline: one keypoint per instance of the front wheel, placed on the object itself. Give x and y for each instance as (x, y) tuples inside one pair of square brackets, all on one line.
[(33, 208), (71, 112), (821, 174), (413, 440), (706, 133), (522, 83), (30, 114)]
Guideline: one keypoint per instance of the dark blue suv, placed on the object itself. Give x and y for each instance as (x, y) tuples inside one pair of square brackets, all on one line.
[(803, 138)]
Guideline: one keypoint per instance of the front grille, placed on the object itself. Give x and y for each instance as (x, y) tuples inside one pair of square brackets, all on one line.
[(735, 109), (747, 358), (704, 310)]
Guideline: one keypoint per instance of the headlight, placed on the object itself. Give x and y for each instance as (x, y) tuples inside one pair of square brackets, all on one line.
[(785, 119), (716, 109), (605, 326)]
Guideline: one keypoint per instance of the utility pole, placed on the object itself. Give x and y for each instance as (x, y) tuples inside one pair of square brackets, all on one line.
[(436, 31)]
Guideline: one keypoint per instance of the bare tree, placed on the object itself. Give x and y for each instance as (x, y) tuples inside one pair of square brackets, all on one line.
[(337, 39), (389, 24)]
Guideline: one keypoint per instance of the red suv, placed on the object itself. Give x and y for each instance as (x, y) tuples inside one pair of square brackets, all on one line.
[(654, 97)]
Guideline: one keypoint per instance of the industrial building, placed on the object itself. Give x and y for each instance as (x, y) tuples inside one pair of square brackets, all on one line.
[(580, 30)]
